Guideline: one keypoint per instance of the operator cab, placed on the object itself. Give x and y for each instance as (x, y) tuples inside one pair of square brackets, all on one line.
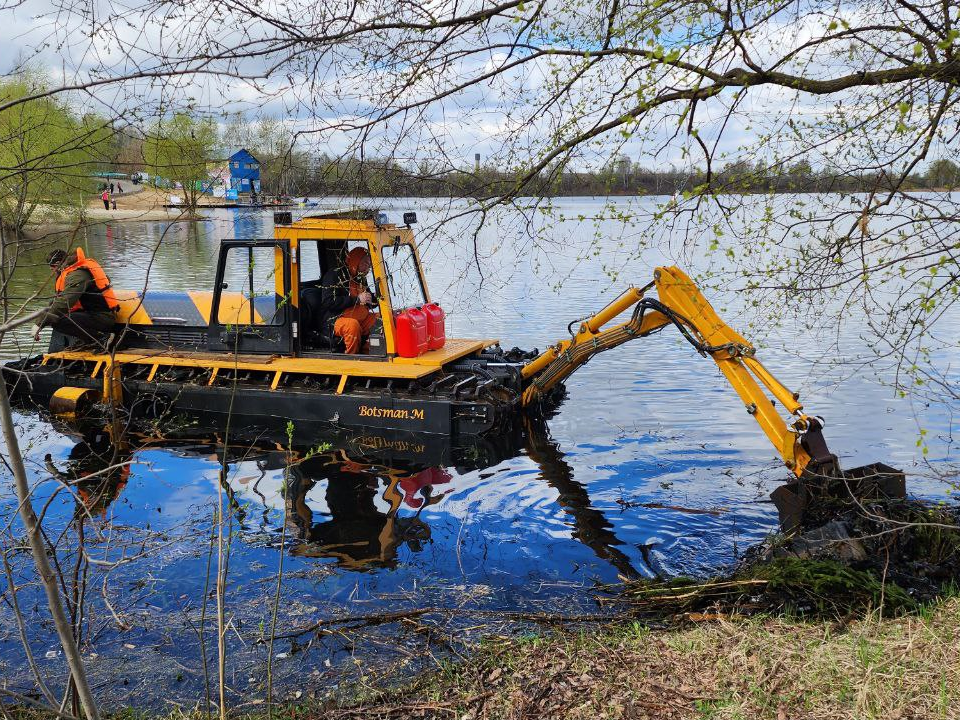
[(317, 260), (268, 299), (319, 244)]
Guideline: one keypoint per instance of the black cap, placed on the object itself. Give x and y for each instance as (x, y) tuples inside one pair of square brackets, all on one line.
[(56, 258)]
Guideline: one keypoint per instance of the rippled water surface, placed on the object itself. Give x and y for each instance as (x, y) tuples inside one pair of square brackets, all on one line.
[(651, 467)]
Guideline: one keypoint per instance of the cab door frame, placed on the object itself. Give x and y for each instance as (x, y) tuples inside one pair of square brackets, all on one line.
[(266, 339)]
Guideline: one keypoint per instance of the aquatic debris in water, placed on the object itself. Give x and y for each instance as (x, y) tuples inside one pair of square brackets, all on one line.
[(818, 586)]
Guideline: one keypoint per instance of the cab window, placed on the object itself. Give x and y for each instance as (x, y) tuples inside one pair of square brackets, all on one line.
[(310, 271), (249, 296), (403, 276)]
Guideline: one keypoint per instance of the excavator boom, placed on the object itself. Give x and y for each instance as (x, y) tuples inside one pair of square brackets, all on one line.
[(680, 303)]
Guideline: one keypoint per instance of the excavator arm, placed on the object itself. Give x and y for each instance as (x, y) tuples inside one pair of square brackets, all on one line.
[(680, 303)]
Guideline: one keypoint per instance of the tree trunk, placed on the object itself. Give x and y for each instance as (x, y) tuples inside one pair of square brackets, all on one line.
[(39, 550)]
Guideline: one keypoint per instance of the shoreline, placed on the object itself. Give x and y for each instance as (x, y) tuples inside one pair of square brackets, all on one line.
[(152, 205), (710, 665), (51, 227)]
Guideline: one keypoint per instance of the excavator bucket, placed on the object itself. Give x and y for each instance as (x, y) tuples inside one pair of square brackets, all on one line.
[(797, 501), (823, 483)]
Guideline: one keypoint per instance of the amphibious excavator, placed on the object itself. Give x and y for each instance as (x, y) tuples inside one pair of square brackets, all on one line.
[(253, 348)]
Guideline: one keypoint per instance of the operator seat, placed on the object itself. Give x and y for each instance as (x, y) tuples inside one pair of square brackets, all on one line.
[(317, 334)]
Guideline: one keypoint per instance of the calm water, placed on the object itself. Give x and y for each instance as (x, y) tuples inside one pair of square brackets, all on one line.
[(651, 467)]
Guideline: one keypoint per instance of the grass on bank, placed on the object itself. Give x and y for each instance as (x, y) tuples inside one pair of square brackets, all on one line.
[(777, 668), (713, 667)]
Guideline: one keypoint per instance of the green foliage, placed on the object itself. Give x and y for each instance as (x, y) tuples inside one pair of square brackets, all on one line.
[(935, 537), (47, 153), (181, 148), (829, 585), (943, 173), (821, 586)]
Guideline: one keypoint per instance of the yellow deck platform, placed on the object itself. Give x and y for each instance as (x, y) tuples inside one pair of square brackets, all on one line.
[(399, 368), (453, 349)]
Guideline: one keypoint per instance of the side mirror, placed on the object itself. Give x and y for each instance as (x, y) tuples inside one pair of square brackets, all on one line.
[(409, 218)]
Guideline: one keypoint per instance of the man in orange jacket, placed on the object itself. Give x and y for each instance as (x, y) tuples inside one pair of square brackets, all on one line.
[(346, 300), (85, 304)]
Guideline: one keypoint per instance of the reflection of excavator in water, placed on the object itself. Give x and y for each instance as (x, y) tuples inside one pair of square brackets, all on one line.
[(355, 530), (408, 474), (359, 534), (267, 351), (376, 486)]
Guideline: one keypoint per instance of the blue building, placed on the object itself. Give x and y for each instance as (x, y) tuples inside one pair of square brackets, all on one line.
[(244, 172)]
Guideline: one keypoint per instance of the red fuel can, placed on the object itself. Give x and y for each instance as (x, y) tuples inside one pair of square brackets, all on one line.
[(436, 325), (411, 325)]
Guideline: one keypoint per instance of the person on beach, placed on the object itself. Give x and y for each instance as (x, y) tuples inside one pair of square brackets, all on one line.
[(105, 196), (111, 188), (85, 304)]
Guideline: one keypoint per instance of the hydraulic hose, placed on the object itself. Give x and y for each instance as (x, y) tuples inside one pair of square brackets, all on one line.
[(580, 353)]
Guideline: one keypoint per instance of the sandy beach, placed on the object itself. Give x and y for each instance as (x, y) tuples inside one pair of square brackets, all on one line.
[(143, 203), (139, 204)]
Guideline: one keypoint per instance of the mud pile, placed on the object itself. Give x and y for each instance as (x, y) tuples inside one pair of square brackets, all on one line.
[(844, 555)]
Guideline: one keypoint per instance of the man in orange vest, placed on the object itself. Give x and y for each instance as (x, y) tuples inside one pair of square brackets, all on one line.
[(85, 303)]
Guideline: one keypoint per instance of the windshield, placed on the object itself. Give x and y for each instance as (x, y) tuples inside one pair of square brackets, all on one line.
[(403, 276)]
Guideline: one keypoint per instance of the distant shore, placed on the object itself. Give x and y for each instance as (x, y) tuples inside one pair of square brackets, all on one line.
[(148, 204), (141, 204)]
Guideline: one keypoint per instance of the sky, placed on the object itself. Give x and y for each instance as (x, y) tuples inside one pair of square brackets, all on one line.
[(326, 93)]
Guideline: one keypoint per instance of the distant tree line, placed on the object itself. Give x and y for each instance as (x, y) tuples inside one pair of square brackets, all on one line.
[(383, 178), (185, 148)]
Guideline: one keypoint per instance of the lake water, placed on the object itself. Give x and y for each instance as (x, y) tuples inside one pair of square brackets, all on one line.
[(651, 467)]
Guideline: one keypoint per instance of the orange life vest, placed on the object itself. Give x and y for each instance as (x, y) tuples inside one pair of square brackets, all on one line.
[(105, 299)]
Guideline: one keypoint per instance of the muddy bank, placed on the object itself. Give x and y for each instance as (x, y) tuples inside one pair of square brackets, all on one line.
[(138, 204), (93, 218), (853, 618), (774, 668), (894, 554)]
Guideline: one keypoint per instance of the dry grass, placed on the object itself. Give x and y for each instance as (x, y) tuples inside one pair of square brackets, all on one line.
[(720, 668)]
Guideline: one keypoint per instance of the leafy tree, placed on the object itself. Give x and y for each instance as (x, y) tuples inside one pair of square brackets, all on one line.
[(47, 153), (943, 174), (180, 148), (128, 151)]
